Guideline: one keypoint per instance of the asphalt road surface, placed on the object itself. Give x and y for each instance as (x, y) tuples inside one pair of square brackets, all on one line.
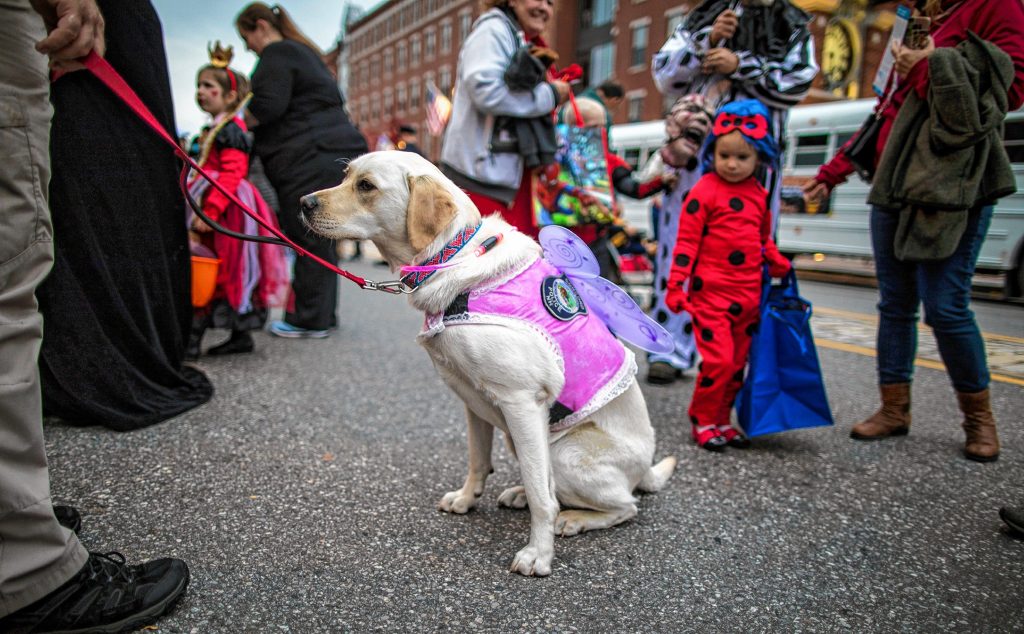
[(304, 498)]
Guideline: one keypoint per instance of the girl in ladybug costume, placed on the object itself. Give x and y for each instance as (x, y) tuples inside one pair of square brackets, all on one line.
[(716, 276)]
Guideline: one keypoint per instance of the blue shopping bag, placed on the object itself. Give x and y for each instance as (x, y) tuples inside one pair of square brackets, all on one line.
[(784, 389)]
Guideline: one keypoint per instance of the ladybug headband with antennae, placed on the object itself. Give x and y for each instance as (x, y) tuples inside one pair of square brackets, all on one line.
[(750, 118)]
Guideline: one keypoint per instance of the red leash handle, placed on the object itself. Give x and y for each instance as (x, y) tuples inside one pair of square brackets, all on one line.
[(112, 80)]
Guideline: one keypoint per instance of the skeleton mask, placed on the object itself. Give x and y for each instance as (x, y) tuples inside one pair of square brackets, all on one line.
[(686, 125)]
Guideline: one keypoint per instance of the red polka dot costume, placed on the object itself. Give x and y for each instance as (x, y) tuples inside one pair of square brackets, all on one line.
[(724, 239)]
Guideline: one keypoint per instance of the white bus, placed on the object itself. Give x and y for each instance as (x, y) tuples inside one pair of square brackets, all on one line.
[(839, 226)]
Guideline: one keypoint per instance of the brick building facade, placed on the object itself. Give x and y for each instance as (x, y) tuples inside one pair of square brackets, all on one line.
[(395, 51)]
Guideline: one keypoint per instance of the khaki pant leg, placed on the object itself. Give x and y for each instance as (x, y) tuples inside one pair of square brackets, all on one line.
[(37, 555)]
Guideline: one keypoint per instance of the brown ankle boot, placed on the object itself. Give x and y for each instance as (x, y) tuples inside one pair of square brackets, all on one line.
[(891, 419), (979, 426)]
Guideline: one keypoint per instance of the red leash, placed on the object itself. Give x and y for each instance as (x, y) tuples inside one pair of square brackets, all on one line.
[(112, 80)]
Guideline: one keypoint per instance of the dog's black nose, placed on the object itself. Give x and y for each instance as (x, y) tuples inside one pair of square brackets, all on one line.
[(309, 203)]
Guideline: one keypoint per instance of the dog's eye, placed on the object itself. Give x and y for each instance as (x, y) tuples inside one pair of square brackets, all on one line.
[(365, 185)]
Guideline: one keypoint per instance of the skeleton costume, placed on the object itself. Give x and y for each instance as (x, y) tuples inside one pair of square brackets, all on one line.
[(724, 239), (776, 66)]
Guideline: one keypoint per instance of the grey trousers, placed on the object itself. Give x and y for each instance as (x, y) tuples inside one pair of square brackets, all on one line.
[(37, 555)]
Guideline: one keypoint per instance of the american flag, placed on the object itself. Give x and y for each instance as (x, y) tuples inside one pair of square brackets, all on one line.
[(439, 108)]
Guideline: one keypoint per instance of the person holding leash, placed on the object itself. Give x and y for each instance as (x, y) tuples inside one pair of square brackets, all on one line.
[(48, 581)]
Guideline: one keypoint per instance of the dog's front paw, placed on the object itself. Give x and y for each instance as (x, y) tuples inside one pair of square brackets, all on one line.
[(513, 497), (531, 562), (457, 502)]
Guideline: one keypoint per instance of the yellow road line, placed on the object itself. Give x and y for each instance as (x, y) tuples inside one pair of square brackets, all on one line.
[(873, 319), (924, 363)]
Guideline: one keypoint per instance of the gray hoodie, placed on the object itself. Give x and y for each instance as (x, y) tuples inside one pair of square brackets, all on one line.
[(480, 96)]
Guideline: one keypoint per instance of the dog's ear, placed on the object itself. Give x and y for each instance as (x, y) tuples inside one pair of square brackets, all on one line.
[(431, 208)]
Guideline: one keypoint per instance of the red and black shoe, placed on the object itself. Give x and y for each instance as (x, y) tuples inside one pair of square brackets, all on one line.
[(707, 437), (733, 437)]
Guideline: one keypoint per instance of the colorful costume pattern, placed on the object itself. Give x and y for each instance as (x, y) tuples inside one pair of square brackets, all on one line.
[(252, 276), (597, 367), (724, 237)]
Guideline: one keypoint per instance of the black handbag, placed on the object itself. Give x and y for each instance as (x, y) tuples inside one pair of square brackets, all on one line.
[(863, 147)]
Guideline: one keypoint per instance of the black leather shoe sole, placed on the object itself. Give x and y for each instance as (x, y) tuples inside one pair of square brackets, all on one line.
[(1014, 521), (903, 431), (976, 458), (739, 442), (233, 346), (716, 445)]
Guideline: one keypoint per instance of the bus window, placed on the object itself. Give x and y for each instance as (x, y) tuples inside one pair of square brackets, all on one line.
[(1013, 139), (811, 150), (632, 156), (842, 138)]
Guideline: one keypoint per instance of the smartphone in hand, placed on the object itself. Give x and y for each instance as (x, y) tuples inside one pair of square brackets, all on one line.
[(916, 36)]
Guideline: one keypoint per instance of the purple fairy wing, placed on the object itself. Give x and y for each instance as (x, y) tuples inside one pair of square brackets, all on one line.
[(621, 314), (565, 251)]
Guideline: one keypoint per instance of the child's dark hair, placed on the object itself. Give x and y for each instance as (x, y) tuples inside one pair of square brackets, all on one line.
[(228, 79)]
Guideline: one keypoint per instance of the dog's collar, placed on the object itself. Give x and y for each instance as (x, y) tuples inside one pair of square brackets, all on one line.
[(447, 252)]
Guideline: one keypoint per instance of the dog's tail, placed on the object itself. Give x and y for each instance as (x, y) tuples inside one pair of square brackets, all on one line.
[(658, 475)]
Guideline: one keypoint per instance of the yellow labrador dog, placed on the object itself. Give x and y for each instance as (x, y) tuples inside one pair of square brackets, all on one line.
[(507, 374)]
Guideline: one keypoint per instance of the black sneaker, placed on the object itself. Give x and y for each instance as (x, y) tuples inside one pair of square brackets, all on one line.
[(106, 595), (1013, 516), (240, 342), (68, 517)]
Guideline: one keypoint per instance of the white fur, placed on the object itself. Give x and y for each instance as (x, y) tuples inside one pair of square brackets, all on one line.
[(507, 375)]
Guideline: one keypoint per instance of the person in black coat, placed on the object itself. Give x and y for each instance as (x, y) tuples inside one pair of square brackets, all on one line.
[(118, 304), (304, 139)]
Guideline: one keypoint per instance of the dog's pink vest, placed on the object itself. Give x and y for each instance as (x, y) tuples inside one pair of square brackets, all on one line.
[(597, 367)]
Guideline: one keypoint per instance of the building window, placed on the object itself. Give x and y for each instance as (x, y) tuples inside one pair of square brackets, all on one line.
[(402, 56), (400, 99), (446, 81), (465, 24), (414, 94), (389, 61), (414, 51), (673, 20), (597, 12), (635, 107), (638, 51), (429, 44), (446, 37), (602, 63)]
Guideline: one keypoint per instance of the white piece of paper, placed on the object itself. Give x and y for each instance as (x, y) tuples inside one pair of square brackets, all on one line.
[(899, 29)]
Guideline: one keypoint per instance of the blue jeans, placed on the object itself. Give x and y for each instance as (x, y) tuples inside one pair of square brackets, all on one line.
[(944, 287)]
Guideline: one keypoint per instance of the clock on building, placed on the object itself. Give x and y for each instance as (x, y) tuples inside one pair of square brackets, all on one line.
[(839, 53)]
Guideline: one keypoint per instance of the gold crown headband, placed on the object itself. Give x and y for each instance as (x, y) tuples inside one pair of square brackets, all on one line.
[(220, 57)]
